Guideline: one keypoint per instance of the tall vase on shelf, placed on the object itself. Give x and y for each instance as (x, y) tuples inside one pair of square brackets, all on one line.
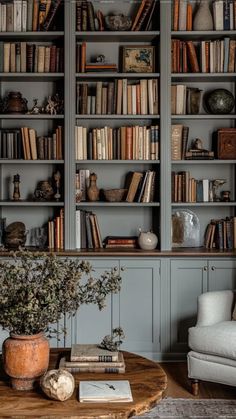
[(203, 20)]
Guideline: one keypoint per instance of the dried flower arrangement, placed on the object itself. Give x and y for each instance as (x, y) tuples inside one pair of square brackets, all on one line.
[(38, 288)]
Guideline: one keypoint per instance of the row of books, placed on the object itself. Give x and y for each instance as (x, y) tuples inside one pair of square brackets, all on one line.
[(221, 234), (83, 67), (224, 15), (56, 231), (28, 15), (141, 186), (91, 358), (181, 100), (216, 56), (88, 235), (81, 184), (22, 57), (119, 97), (123, 143), (23, 143), (87, 19), (187, 189)]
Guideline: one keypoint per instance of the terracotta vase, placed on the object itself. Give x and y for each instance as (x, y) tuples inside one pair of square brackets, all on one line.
[(25, 358), (93, 191)]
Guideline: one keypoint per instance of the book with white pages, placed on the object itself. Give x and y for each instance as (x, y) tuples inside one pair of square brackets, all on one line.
[(96, 391)]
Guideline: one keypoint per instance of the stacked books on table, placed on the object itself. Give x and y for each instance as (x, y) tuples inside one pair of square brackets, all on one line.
[(105, 391), (91, 358)]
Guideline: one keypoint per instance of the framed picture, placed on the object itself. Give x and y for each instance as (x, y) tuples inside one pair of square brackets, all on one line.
[(138, 59)]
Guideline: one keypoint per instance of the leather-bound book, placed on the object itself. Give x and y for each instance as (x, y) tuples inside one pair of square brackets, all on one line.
[(84, 15), (29, 58), (192, 55), (175, 15), (53, 53), (226, 143), (91, 16), (189, 24), (42, 13), (51, 15), (35, 15), (79, 15)]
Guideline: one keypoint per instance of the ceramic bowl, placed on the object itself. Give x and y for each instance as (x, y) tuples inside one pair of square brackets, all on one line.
[(114, 195), (118, 22)]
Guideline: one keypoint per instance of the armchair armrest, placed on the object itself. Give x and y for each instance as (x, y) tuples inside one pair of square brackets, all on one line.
[(214, 307)]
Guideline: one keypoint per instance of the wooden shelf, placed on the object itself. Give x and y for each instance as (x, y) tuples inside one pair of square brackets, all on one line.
[(204, 116), (30, 76), (117, 161), (30, 116), (207, 162), (123, 36), (204, 204), (32, 36), (203, 35), (203, 77), (115, 75), (18, 161), (129, 117), (117, 204), (31, 204)]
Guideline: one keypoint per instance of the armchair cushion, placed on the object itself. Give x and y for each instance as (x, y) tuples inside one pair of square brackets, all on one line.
[(218, 339)]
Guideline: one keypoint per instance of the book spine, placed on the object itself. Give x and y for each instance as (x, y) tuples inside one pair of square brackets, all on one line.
[(95, 358), (108, 370)]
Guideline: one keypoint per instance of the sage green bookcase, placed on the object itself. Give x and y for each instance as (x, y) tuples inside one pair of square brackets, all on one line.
[(114, 218)]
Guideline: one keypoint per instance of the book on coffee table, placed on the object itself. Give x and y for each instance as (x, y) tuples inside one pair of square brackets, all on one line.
[(92, 353), (93, 366), (105, 391)]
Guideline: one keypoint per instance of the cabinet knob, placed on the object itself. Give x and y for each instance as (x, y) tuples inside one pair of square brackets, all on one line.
[(213, 268), (205, 268)]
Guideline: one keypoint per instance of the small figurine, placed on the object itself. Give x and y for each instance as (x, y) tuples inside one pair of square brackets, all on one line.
[(16, 192), (57, 178), (216, 183), (54, 105), (35, 109), (51, 106)]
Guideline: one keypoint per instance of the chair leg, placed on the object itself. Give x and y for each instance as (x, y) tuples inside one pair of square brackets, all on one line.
[(195, 387)]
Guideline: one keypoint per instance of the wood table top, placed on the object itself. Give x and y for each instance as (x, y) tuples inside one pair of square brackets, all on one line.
[(147, 379)]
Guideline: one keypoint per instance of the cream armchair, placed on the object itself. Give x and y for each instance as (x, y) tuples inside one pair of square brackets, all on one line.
[(213, 341)]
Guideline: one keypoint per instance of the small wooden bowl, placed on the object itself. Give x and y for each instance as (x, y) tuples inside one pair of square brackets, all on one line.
[(114, 195)]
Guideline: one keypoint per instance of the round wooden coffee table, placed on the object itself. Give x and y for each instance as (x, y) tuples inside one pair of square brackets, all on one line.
[(147, 379)]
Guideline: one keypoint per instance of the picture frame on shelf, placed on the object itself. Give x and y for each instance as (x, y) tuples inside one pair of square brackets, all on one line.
[(138, 59)]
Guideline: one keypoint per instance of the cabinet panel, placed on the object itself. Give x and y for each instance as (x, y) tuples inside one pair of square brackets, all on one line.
[(222, 275), (188, 281), (139, 305), (90, 325)]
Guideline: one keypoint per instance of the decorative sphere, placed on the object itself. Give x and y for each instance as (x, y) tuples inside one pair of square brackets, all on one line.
[(219, 101), (58, 384)]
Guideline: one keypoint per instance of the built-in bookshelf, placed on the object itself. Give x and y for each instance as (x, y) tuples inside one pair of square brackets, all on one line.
[(115, 122), (202, 61), (32, 135)]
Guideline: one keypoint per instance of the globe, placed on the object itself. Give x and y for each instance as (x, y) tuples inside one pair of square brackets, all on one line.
[(219, 101)]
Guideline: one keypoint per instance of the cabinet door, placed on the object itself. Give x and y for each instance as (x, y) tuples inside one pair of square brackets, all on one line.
[(188, 281), (138, 308), (222, 275), (90, 325)]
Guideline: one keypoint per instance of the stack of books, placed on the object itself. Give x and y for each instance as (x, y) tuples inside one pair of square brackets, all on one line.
[(91, 358), (121, 241)]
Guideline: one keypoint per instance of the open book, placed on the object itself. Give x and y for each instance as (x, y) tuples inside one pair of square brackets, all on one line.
[(105, 391)]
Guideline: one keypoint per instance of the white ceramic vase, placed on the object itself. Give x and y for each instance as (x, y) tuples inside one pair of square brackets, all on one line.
[(203, 20)]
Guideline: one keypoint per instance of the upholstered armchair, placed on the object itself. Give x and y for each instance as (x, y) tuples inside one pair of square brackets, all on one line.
[(213, 341)]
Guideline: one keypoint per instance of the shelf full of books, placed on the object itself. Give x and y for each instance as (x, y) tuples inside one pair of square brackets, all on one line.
[(121, 97), (29, 15)]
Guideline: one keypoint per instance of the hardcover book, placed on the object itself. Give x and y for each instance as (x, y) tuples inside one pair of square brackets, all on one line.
[(105, 391), (91, 352)]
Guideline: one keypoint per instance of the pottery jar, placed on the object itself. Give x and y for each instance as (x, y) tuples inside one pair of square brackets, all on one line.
[(93, 191), (25, 358), (147, 240)]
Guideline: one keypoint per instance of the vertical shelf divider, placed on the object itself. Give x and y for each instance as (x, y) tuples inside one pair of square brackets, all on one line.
[(165, 124), (69, 124)]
